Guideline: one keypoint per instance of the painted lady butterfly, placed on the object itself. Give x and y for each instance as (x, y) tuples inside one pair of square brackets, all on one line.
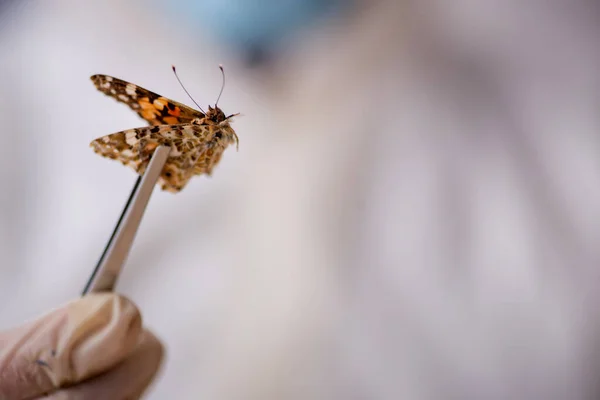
[(197, 138)]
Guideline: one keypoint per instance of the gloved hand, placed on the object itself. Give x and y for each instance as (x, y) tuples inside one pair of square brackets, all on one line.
[(92, 348)]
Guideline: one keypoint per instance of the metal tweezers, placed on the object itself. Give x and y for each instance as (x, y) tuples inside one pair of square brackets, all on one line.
[(106, 273)]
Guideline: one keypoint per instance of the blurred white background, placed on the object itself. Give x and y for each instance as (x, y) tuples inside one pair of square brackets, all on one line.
[(414, 211)]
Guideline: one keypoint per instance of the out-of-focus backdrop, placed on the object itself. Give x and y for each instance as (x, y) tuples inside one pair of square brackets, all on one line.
[(414, 210)]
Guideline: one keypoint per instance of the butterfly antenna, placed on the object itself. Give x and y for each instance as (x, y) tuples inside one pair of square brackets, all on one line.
[(189, 95), (222, 85)]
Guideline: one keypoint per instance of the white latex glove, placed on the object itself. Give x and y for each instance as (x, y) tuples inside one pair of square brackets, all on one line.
[(92, 348)]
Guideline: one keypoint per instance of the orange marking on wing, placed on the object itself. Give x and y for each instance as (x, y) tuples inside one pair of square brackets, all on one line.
[(171, 120), (160, 103), (145, 104), (150, 113), (176, 112)]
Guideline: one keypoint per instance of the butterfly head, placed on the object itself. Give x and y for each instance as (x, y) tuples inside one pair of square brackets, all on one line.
[(216, 115)]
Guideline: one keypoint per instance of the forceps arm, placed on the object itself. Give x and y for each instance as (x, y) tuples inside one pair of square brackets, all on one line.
[(116, 251)]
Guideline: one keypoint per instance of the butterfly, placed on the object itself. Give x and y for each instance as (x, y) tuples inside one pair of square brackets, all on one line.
[(197, 138)]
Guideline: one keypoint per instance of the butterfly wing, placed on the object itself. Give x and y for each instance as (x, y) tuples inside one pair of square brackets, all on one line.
[(155, 109), (134, 148), (179, 170), (208, 159)]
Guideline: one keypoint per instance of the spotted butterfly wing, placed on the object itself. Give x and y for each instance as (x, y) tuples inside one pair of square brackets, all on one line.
[(154, 108), (208, 159), (190, 144)]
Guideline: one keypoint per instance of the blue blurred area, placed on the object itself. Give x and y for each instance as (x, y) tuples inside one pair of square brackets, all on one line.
[(255, 27)]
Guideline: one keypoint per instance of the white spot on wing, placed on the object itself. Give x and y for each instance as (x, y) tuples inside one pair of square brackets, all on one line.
[(189, 131), (130, 90), (130, 138)]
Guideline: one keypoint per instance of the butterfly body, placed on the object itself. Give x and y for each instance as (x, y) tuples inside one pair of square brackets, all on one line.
[(197, 139)]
